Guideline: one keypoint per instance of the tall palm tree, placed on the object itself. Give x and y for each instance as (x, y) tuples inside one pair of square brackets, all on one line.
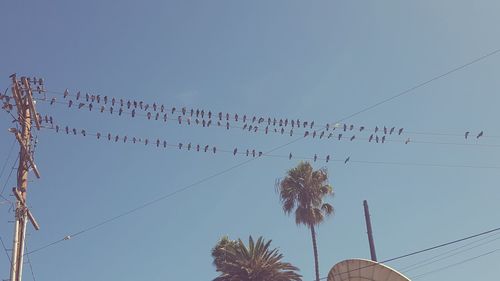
[(303, 191), (257, 262)]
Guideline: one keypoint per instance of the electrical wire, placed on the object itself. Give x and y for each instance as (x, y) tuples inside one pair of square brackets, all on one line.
[(454, 264), (8, 157), (422, 251), (5, 250)]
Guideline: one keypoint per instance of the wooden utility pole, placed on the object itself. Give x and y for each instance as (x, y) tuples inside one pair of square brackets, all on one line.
[(369, 231), (23, 97)]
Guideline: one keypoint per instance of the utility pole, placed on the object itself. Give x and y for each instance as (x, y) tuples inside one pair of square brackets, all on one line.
[(369, 231), (23, 97)]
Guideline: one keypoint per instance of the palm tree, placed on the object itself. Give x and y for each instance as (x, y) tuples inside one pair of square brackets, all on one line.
[(237, 262), (302, 191)]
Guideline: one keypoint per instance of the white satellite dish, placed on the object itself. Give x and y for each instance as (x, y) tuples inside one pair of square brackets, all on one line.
[(363, 270)]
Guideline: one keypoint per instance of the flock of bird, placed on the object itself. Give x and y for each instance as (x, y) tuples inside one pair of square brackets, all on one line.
[(283, 126), (162, 143)]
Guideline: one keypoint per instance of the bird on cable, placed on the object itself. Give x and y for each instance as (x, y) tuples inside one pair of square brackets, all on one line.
[(275, 130), (383, 139), (84, 133), (361, 128), (206, 148), (407, 141), (214, 149), (57, 128), (269, 121), (183, 110), (282, 130), (51, 121), (467, 134), (253, 152), (376, 139), (312, 124), (162, 108), (235, 151), (66, 93), (179, 119), (304, 124), (111, 110), (253, 119), (129, 104), (306, 133), (209, 114), (157, 115), (90, 107), (103, 108), (154, 106), (92, 98), (248, 152), (290, 156), (98, 135), (134, 139), (87, 97), (148, 115), (109, 136), (146, 141), (330, 135), (327, 126), (46, 119), (165, 117), (121, 101), (281, 122), (125, 139), (98, 98), (146, 106), (157, 142), (286, 122), (78, 95), (74, 131), (480, 134), (173, 110), (202, 113), (188, 120), (189, 146), (322, 134), (274, 121), (315, 157), (244, 118), (370, 138), (165, 144), (197, 147), (227, 126), (203, 122), (291, 132), (400, 131), (327, 158), (117, 138), (392, 130), (261, 119), (236, 117), (52, 101), (347, 159), (220, 116), (351, 127), (245, 126), (255, 129), (197, 121), (340, 136), (191, 112), (197, 112), (298, 123), (250, 128), (260, 153), (292, 123), (385, 130), (266, 129), (353, 137), (105, 99), (345, 127), (134, 103), (314, 134), (227, 116), (376, 129)]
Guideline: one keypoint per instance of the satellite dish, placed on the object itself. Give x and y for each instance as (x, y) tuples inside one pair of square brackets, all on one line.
[(363, 270)]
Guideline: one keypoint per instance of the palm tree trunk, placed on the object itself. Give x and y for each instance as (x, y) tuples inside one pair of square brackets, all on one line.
[(315, 248)]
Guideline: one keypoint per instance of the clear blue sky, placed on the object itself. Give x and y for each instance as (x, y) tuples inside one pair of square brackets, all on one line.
[(316, 60)]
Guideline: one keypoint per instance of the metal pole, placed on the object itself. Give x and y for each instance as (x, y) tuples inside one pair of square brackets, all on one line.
[(369, 231)]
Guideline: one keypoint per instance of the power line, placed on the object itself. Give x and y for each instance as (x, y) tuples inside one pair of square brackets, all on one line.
[(8, 157), (454, 264), (422, 251), (5, 250), (407, 91)]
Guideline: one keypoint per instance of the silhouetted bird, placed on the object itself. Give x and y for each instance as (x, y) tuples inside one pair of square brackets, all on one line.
[(189, 146), (351, 127), (133, 112), (322, 134), (370, 138), (84, 133), (306, 133), (173, 110), (315, 157), (400, 131), (479, 135), (78, 95), (385, 130), (52, 101), (376, 139), (327, 158), (206, 148), (98, 135), (467, 134), (392, 130), (235, 151), (120, 111), (57, 128), (291, 132), (290, 156), (180, 145), (353, 137), (214, 149), (345, 127), (407, 141), (66, 93), (376, 129), (164, 143), (347, 159), (80, 105), (197, 147), (227, 126), (361, 128), (383, 139), (179, 119), (340, 136)]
